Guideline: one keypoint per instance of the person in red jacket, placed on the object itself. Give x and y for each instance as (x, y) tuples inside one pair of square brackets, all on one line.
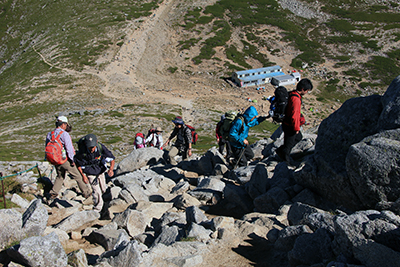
[(293, 119)]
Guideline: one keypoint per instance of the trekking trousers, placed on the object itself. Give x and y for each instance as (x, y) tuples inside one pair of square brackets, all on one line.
[(98, 183), (247, 155), (290, 139), (75, 174)]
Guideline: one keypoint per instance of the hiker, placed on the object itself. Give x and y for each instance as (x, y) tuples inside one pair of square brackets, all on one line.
[(293, 119), (67, 164), (155, 138), (139, 141), (239, 132), (91, 160), (183, 144), (221, 140)]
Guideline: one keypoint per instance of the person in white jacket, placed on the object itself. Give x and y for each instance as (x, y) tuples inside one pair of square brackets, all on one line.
[(155, 138)]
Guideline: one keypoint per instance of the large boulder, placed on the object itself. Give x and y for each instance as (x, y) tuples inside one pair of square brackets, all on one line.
[(345, 141), (373, 167), (139, 158), (39, 251)]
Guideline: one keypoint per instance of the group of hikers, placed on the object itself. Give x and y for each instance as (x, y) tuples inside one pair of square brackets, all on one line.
[(87, 166), (90, 163)]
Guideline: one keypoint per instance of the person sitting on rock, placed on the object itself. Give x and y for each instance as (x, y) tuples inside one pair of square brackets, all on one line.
[(183, 144), (91, 160)]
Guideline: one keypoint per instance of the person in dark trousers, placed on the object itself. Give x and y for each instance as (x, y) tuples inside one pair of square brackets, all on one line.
[(63, 127), (293, 119), (91, 163), (240, 131), (183, 143), (222, 142)]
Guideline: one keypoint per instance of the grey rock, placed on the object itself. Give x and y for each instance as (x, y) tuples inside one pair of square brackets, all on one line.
[(170, 218), (186, 261), (311, 249), (271, 201), (195, 215), (326, 172), (12, 233), (107, 238), (372, 166), (133, 221), (39, 251), (77, 219), (128, 256), (242, 174), (389, 117), (78, 258), (370, 253), (299, 211), (180, 188), (185, 200), (211, 184), (34, 219), (390, 217), (139, 158), (16, 199), (168, 235), (239, 201), (259, 182), (199, 232), (288, 236), (220, 169), (306, 196)]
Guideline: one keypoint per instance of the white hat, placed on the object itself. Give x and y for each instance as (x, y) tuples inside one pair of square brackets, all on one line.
[(62, 119)]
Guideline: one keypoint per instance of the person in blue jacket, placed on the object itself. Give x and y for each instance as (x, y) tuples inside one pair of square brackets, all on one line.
[(240, 131)]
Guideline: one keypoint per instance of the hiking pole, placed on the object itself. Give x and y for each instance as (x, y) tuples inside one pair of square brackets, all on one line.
[(240, 156)]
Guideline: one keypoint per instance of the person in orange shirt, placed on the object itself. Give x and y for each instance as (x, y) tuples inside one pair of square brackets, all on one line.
[(293, 119)]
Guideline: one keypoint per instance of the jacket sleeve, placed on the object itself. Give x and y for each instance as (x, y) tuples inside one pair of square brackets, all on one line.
[(188, 135), (234, 133), (295, 113)]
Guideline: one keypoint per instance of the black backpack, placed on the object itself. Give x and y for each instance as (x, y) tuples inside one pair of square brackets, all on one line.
[(278, 104)]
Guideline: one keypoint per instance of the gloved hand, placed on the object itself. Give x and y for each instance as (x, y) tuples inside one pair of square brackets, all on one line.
[(262, 118)]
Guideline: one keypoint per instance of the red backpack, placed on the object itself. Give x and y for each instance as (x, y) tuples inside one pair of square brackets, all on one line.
[(195, 136), (55, 153)]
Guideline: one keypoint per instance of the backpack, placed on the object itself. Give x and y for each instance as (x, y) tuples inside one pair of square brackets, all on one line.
[(82, 149), (55, 152), (195, 136), (279, 103), (139, 143), (230, 117)]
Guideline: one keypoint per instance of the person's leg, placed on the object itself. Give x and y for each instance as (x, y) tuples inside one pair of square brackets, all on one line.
[(248, 155), (102, 181), (221, 144), (228, 149), (76, 175), (60, 169), (290, 140), (172, 153), (97, 194)]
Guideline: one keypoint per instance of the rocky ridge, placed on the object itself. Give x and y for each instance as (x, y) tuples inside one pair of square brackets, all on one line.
[(337, 205)]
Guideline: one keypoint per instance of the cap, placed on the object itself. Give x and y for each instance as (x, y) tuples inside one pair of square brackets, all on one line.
[(90, 140), (178, 120), (158, 129), (62, 119)]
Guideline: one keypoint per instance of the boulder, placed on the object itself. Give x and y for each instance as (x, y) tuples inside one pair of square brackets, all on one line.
[(288, 236), (185, 200), (34, 219), (372, 168), (128, 256), (78, 258), (12, 233), (139, 158), (195, 215), (259, 182), (39, 251), (77, 219), (271, 201), (311, 249)]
